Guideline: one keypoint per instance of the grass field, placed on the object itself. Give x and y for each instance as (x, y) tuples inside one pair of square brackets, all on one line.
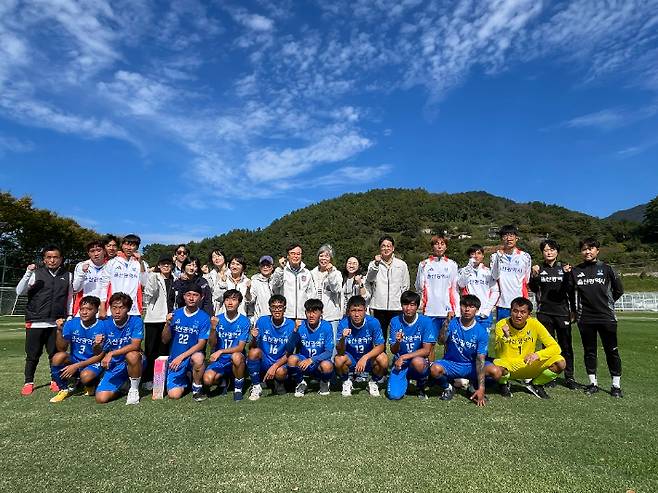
[(571, 443)]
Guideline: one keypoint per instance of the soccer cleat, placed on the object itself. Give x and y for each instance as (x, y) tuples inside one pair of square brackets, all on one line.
[(421, 394), (223, 386), (347, 388), (256, 391), (616, 392), (300, 390), (591, 389), (505, 390), (199, 396), (373, 388), (448, 393), (148, 386), (570, 383), (550, 384), (27, 389), (537, 391), (90, 390), (237, 395), (279, 388), (324, 388), (60, 396), (53, 386), (133, 397)]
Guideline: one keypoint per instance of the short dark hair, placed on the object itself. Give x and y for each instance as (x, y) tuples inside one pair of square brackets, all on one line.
[(216, 251), (239, 258), (91, 300), (232, 293), (108, 238), (187, 250), (589, 242), (51, 248), (356, 300), (474, 248), (410, 297), (313, 305), (123, 298), (439, 236), (470, 300), (131, 238), (550, 243), (190, 260), (385, 238), (521, 301), (94, 244), (508, 229), (292, 246), (277, 298)]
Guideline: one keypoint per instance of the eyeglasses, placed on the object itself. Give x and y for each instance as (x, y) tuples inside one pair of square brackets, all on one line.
[(181, 252)]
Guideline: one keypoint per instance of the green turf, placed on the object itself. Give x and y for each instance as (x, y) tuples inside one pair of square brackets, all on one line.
[(570, 443)]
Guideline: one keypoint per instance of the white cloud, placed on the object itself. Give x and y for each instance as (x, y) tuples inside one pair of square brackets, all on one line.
[(611, 118), (13, 144)]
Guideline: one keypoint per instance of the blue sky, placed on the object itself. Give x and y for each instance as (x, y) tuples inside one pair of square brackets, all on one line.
[(185, 120)]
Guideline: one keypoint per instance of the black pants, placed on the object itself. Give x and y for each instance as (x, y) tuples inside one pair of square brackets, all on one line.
[(560, 329), (35, 340), (153, 347), (608, 333), (385, 317)]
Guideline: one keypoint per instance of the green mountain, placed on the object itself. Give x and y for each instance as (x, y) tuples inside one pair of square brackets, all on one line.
[(634, 214), (353, 223)]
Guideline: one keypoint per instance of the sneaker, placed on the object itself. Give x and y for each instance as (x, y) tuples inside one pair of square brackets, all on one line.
[(256, 391), (279, 388), (324, 388), (461, 382), (448, 393), (421, 394), (27, 389), (550, 384), (505, 390), (148, 386), (537, 391), (373, 388), (591, 389), (133, 397), (570, 383), (199, 396), (90, 390), (237, 395), (223, 386), (347, 388), (616, 392), (300, 390), (60, 396), (53, 386)]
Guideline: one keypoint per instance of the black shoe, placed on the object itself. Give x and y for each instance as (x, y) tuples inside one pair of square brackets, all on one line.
[(550, 384), (591, 389), (505, 390), (421, 394), (616, 392), (570, 383), (538, 391), (448, 393), (199, 396)]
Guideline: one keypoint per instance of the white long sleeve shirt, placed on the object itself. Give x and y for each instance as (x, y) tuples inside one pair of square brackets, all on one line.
[(436, 282), (479, 282), (512, 271)]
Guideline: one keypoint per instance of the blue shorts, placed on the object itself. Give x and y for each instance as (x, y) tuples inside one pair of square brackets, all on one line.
[(221, 367), (96, 368), (353, 361), (179, 378), (116, 376), (502, 313), (398, 380), (265, 364), (454, 369)]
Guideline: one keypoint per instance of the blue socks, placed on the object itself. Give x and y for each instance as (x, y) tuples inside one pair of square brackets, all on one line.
[(253, 366)]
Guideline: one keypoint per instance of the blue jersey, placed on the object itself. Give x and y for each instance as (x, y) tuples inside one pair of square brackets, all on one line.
[(81, 337), (316, 344), (230, 333), (272, 339), (414, 335), (463, 345), (362, 339), (187, 330), (118, 337)]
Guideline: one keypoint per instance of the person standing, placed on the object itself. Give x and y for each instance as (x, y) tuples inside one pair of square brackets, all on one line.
[(259, 293), (328, 282), (388, 277), (294, 281), (475, 278), (353, 282), (597, 288), (49, 290), (181, 254), (510, 267), (88, 274)]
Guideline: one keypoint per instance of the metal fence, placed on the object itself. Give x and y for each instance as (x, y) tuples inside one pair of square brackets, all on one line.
[(637, 302)]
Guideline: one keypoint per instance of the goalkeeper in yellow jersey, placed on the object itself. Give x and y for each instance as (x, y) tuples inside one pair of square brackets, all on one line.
[(516, 339)]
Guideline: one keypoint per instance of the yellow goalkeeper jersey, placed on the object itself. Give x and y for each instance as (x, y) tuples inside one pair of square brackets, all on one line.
[(523, 342)]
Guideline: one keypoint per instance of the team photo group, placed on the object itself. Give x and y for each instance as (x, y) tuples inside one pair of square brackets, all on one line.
[(108, 324)]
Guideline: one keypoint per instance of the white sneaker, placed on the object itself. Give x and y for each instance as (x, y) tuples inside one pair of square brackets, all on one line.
[(324, 388), (148, 386), (373, 388), (461, 382), (347, 388), (300, 390), (133, 397), (256, 391)]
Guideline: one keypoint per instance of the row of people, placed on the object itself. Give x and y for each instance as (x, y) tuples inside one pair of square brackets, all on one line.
[(439, 282)]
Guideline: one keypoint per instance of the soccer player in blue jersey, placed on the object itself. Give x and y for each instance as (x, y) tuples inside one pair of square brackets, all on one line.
[(187, 329), (360, 348), (80, 333), (228, 338), (267, 351), (412, 339), (121, 344), (316, 345), (466, 343)]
